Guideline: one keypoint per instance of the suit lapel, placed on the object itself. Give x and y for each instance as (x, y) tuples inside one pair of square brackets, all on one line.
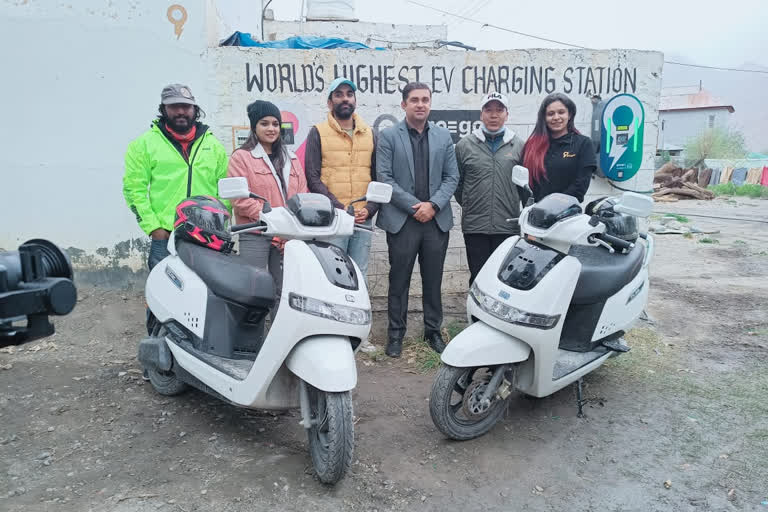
[(406, 140)]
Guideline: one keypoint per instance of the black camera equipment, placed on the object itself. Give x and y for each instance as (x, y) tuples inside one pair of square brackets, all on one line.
[(35, 282)]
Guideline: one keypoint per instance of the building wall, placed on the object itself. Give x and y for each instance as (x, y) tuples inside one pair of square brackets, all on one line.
[(371, 34), (77, 105), (678, 126)]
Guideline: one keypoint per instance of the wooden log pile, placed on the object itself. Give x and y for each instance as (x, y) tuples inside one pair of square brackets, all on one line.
[(672, 183)]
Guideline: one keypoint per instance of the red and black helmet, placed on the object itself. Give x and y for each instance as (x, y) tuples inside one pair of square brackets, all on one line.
[(204, 220)]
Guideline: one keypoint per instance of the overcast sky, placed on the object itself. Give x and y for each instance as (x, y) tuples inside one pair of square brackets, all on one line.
[(728, 33)]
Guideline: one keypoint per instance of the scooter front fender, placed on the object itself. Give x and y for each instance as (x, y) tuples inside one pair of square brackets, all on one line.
[(325, 362), (482, 345)]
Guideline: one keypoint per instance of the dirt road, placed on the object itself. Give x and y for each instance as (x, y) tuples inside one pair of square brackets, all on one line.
[(79, 430)]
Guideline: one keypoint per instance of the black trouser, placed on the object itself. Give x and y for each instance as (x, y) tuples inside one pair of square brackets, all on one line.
[(158, 250), (479, 249), (429, 243)]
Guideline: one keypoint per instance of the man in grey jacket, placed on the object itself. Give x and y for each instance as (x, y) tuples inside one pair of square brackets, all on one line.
[(417, 158), (486, 193)]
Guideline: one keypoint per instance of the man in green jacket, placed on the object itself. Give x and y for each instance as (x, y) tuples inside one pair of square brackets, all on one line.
[(176, 158), (486, 193)]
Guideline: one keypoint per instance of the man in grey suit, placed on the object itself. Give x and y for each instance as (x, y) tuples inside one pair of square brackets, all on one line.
[(417, 158)]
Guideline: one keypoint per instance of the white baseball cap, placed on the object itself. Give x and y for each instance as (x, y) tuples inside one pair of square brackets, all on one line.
[(494, 96)]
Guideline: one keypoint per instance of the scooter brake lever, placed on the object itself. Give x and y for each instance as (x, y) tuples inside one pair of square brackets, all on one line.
[(604, 244)]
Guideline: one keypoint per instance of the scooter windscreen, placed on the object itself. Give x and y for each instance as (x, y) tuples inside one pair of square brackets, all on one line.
[(313, 210), (552, 209)]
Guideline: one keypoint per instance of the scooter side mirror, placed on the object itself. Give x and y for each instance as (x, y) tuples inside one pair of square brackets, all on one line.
[(635, 204), (378, 192), (520, 176), (234, 188)]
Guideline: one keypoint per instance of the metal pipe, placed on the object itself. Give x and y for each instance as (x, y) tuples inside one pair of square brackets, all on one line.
[(263, 10), (306, 420)]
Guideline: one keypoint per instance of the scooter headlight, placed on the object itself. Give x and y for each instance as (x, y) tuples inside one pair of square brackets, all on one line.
[(511, 314), (337, 312)]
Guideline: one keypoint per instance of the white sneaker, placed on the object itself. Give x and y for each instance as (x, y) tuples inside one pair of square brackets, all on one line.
[(367, 347)]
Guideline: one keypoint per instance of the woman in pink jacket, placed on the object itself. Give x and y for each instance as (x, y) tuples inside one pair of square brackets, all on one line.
[(273, 172)]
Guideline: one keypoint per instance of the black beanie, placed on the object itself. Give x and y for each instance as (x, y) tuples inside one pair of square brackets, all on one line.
[(260, 109)]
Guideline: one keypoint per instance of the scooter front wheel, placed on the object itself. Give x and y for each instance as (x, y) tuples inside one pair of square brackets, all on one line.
[(456, 406), (166, 383), (332, 435)]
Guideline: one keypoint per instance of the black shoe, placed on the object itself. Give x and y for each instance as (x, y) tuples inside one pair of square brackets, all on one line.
[(394, 347), (435, 340), (145, 375)]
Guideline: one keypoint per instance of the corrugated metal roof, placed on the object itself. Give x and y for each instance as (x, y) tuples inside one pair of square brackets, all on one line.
[(687, 98)]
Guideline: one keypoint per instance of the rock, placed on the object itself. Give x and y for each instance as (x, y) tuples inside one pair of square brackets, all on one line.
[(539, 488), (668, 484), (7, 440), (43, 456)]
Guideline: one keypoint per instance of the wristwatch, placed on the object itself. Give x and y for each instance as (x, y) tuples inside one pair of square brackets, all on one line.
[(434, 205)]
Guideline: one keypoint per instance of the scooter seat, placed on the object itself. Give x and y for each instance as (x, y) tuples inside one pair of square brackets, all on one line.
[(602, 273), (228, 275)]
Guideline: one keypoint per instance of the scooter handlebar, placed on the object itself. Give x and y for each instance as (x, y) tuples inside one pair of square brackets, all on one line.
[(616, 242)]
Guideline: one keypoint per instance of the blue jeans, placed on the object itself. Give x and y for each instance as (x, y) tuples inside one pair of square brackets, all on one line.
[(357, 246), (158, 250)]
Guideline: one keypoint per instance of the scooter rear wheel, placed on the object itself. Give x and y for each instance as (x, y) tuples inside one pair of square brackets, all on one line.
[(332, 435), (455, 406)]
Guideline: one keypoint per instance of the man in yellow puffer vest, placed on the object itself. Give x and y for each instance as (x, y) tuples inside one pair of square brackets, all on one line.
[(340, 163)]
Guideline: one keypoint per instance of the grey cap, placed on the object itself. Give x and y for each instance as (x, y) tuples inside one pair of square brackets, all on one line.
[(176, 93)]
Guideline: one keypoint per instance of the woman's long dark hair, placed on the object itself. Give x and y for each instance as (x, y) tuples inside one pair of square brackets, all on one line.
[(536, 146), (277, 149)]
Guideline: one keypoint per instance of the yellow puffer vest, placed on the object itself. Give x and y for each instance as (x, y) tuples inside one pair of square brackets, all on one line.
[(346, 169)]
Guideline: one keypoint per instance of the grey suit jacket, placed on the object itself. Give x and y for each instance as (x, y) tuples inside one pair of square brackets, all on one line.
[(394, 165)]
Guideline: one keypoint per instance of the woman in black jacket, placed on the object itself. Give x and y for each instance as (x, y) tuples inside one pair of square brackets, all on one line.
[(558, 157)]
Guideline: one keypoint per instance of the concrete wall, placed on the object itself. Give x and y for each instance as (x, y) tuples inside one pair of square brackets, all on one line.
[(86, 80), (676, 127), (81, 80)]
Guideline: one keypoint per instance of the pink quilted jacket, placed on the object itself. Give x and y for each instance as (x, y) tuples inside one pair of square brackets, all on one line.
[(257, 169)]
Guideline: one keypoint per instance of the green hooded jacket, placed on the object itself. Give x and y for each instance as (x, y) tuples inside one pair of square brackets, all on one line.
[(158, 177)]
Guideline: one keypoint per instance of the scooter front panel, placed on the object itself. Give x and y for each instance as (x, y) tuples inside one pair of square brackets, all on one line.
[(303, 275)]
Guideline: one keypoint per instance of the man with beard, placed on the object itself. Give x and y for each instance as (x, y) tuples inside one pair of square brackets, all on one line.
[(176, 158), (340, 163)]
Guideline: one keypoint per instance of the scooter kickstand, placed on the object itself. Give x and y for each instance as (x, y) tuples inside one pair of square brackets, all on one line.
[(579, 400)]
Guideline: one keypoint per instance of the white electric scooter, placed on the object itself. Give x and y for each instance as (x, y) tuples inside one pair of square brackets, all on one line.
[(211, 308), (547, 308)]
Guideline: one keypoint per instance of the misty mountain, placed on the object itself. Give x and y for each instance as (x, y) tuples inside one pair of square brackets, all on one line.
[(747, 92)]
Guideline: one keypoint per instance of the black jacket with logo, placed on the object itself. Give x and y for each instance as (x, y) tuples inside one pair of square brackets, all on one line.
[(569, 162)]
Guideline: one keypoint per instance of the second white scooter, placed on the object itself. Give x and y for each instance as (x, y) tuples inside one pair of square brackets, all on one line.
[(547, 308)]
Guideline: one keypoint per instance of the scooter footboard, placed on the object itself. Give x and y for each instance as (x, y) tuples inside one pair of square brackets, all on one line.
[(325, 362), (482, 345)]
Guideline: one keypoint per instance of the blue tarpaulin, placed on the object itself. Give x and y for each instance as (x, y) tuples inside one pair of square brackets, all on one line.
[(297, 42)]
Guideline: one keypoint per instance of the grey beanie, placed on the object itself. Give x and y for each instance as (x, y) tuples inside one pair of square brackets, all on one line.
[(260, 109)]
